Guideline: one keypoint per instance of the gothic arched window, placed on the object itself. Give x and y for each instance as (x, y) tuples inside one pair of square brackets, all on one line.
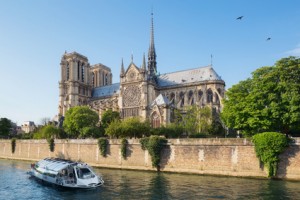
[(93, 79), (217, 100), (106, 79), (82, 73), (68, 71), (181, 95), (191, 97), (209, 95), (155, 121), (200, 94), (172, 98), (78, 70)]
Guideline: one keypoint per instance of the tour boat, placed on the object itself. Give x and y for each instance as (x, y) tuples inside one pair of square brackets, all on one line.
[(65, 173)]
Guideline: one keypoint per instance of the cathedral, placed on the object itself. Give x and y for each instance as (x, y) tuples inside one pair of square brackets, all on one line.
[(141, 91)]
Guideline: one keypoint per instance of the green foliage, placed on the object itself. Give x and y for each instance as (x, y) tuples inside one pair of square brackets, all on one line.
[(51, 144), (268, 146), (144, 142), (124, 143), (171, 130), (154, 145), (47, 132), (195, 120), (268, 101), (77, 118), (129, 127), (5, 126), (13, 145), (102, 144), (108, 117), (91, 132)]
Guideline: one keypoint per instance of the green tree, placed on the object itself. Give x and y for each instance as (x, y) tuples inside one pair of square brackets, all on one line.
[(195, 120), (77, 118), (268, 101), (109, 116), (129, 127), (47, 132), (5, 126)]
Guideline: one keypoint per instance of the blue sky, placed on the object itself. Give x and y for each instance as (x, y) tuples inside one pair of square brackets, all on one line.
[(34, 35)]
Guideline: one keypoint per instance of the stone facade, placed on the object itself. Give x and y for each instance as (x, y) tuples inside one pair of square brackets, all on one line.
[(141, 92)]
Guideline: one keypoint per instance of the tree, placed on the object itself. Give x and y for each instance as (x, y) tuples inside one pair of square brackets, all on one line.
[(129, 127), (268, 101), (45, 120), (77, 118), (195, 120), (47, 132), (5, 126), (109, 116)]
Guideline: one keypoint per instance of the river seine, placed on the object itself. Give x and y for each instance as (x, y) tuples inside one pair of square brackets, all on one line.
[(124, 184)]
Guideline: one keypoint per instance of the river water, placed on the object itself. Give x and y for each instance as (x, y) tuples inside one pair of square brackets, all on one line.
[(125, 184)]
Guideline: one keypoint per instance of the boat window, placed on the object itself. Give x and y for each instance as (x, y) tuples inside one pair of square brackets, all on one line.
[(84, 173)]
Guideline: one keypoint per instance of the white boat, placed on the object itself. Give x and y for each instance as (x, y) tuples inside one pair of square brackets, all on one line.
[(65, 173)]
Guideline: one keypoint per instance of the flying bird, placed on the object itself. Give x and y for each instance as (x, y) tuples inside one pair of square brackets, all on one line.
[(268, 38), (240, 18)]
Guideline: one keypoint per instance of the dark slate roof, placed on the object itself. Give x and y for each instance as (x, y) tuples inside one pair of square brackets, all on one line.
[(107, 90), (188, 76)]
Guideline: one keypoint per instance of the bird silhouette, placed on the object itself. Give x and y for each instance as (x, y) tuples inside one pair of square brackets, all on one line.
[(268, 38), (239, 18)]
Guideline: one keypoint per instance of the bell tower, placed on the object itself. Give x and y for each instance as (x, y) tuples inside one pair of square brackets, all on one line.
[(75, 84)]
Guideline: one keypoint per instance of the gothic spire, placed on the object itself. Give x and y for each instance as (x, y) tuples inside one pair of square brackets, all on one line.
[(144, 63), (122, 69), (151, 52)]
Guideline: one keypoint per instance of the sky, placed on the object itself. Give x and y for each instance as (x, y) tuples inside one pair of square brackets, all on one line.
[(34, 34)]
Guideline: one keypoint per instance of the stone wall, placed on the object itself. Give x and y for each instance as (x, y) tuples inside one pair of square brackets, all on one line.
[(232, 157)]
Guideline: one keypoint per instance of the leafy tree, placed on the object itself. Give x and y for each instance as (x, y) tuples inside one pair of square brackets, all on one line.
[(268, 101), (5, 126), (77, 118), (195, 119), (171, 130), (129, 127), (91, 132), (109, 116), (47, 132)]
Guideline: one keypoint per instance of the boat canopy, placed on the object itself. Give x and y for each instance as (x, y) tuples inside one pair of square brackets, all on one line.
[(53, 165)]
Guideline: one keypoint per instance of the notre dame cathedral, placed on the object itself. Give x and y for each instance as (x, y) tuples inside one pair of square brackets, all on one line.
[(141, 92)]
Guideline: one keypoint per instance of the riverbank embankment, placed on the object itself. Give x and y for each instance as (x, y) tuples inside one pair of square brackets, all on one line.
[(211, 156)]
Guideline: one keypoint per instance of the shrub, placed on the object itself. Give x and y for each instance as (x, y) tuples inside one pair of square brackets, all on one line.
[(102, 143), (124, 143), (268, 146), (154, 145), (51, 144), (13, 145)]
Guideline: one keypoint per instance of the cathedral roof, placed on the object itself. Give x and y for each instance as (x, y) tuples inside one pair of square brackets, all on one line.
[(160, 100), (107, 90), (188, 76)]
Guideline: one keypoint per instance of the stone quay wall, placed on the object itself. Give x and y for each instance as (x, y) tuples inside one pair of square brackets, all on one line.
[(217, 156)]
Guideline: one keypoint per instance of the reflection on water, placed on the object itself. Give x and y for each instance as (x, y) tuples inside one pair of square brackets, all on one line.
[(124, 184)]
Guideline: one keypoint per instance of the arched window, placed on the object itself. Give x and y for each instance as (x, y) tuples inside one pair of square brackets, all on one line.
[(78, 70), (106, 79), (93, 79), (200, 94), (82, 73), (68, 71), (172, 98), (191, 97), (209, 95), (181, 95), (155, 121), (217, 100)]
